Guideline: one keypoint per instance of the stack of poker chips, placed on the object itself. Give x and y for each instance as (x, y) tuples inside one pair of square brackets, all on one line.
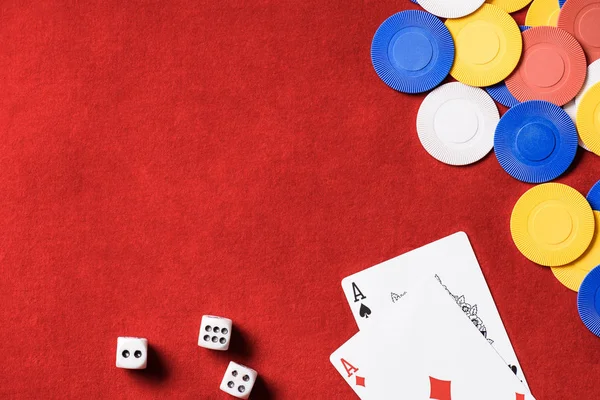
[(547, 74)]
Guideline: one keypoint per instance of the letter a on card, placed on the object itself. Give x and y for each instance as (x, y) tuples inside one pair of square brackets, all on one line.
[(358, 295), (350, 369)]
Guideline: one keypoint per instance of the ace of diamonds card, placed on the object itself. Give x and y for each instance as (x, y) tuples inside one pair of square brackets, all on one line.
[(427, 349)]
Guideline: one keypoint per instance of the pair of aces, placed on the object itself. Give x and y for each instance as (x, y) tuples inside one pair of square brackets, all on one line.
[(429, 329)]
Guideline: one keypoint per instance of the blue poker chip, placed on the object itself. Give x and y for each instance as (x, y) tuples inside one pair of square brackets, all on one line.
[(412, 51), (561, 3), (414, 1), (500, 93), (593, 197), (535, 141), (523, 28), (588, 303)]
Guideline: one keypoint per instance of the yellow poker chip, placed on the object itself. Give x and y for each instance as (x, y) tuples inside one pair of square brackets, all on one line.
[(488, 46), (571, 275), (543, 13), (588, 119), (510, 6), (552, 224)]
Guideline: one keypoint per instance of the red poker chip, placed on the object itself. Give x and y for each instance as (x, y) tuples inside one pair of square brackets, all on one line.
[(581, 18), (552, 68)]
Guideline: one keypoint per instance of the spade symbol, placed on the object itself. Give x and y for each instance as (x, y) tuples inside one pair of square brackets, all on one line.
[(513, 369), (364, 311)]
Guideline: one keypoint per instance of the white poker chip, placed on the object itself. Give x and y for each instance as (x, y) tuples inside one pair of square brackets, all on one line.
[(593, 77), (451, 8), (571, 109), (456, 123)]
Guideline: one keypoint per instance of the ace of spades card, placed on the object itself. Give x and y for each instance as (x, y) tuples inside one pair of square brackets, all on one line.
[(426, 350), (375, 293)]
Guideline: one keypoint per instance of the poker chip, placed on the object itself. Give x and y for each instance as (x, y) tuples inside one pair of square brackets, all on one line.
[(412, 51), (456, 123), (572, 274), (509, 6), (581, 18), (451, 8), (535, 141), (560, 2), (593, 196), (523, 28), (502, 95), (592, 77), (488, 46), (543, 13), (553, 67), (588, 123), (552, 224), (587, 302)]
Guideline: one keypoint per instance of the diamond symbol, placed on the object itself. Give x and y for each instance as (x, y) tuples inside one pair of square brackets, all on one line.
[(440, 390), (360, 381)]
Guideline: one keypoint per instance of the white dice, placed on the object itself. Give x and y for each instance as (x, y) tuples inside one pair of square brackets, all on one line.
[(132, 352), (238, 380), (215, 332)]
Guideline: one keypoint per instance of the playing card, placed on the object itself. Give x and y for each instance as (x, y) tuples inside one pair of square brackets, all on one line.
[(375, 293), (427, 349)]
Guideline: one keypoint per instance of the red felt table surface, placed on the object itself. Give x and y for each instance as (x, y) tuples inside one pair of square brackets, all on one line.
[(161, 160)]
